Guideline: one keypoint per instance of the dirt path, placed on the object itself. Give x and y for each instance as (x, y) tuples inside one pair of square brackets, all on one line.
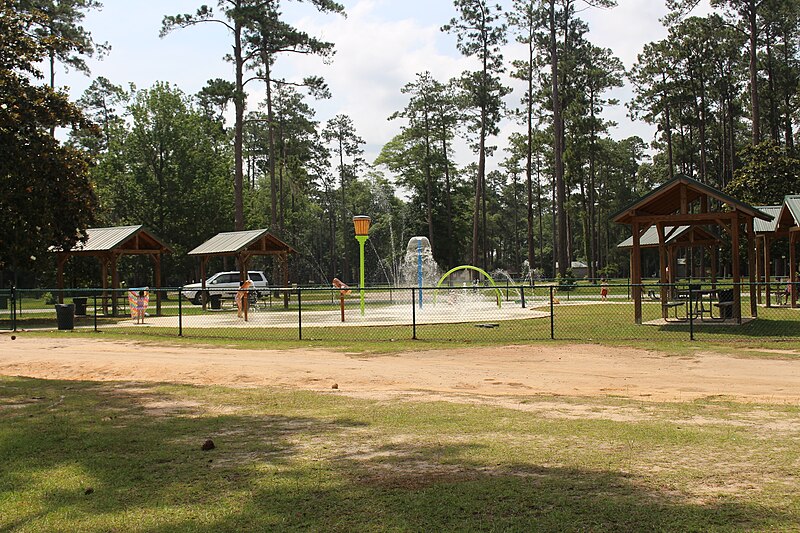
[(496, 372)]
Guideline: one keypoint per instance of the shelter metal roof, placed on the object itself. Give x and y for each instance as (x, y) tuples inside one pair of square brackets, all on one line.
[(672, 235), (102, 239), (650, 237), (234, 242), (666, 200), (767, 226), (792, 204), (108, 239)]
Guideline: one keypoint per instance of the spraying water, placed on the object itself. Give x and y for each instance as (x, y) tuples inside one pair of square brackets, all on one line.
[(418, 267), (502, 275)]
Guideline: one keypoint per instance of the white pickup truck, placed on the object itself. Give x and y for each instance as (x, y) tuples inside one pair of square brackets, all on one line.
[(223, 284)]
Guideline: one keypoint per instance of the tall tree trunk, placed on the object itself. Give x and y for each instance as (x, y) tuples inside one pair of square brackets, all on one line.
[(342, 178), (702, 132), (774, 126), (52, 82), (788, 109), (754, 104), (273, 186), (585, 221), (282, 168), (668, 131), (448, 199), (540, 210), (428, 175), (558, 150), (529, 149), (238, 130)]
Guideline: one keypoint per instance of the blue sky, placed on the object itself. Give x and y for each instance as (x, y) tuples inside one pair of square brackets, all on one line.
[(381, 45)]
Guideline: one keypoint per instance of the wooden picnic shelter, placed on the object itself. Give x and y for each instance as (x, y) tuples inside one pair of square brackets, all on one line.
[(108, 245), (785, 224), (244, 245), (684, 201)]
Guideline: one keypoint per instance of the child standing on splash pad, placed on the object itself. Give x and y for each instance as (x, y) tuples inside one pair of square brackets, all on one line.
[(603, 290), (242, 296), (138, 300)]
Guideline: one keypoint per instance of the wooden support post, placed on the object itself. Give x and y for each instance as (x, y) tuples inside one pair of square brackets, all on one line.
[(767, 268), (242, 260), (751, 265), (793, 265), (104, 275), (673, 269), (157, 268), (203, 299), (714, 250), (636, 274), (284, 262), (114, 282), (759, 272), (662, 269), (735, 269)]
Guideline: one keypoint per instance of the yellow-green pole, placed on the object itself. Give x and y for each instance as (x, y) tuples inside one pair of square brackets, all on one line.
[(362, 239)]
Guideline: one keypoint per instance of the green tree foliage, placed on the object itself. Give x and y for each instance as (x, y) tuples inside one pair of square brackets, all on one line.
[(47, 199), (419, 156), (102, 102), (57, 28), (480, 33), (253, 23), (168, 170), (346, 149), (268, 37), (768, 173)]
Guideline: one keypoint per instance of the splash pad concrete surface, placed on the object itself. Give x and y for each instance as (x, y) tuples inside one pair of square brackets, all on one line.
[(452, 307)]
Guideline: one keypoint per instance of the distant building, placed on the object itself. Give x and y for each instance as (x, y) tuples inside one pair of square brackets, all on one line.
[(579, 269)]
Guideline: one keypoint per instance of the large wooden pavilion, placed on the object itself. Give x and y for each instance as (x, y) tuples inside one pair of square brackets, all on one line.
[(684, 201), (243, 245), (108, 245), (785, 224)]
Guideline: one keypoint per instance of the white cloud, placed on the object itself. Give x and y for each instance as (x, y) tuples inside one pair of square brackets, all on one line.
[(380, 46), (375, 58)]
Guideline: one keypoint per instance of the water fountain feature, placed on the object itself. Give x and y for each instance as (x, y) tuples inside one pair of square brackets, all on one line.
[(447, 298), (418, 267)]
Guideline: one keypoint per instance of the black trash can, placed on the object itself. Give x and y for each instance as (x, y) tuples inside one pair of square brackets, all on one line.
[(65, 316), (80, 306), (216, 301)]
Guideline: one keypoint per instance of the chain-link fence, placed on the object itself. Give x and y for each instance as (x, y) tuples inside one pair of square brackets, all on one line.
[(464, 314)]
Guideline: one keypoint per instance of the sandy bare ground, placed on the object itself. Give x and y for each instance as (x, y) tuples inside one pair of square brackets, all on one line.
[(492, 373)]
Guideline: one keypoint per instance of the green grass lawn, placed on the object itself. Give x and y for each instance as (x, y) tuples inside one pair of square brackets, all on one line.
[(85, 456), (592, 322)]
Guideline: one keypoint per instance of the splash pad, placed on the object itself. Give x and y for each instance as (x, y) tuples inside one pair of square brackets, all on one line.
[(473, 268), (421, 297)]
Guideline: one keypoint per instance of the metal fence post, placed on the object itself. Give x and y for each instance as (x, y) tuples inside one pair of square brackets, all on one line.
[(413, 314), (552, 316), (94, 304), (180, 311), (522, 295), (13, 308), (299, 314)]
